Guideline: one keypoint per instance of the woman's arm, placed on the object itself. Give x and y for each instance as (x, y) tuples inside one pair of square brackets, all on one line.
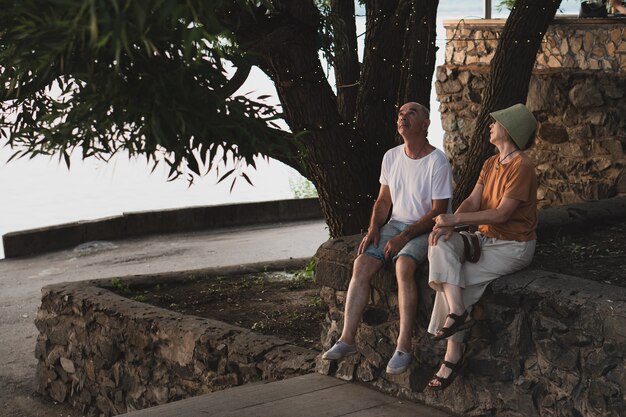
[(472, 203), (500, 214)]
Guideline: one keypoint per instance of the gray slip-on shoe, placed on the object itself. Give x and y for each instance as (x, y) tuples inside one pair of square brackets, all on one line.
[(339, 350), (398, 362)]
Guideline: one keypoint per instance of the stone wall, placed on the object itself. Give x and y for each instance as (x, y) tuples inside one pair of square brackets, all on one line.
[(107, 354), (543, 344), (577, 92)]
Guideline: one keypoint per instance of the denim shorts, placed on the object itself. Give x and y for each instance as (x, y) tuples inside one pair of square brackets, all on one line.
[(416, 248)]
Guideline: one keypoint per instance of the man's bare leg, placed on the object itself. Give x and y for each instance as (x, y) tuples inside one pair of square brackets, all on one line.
[(364, 268), (407, 300)]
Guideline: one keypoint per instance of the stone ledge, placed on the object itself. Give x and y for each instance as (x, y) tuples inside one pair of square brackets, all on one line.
[(542, 344), (107, 354)]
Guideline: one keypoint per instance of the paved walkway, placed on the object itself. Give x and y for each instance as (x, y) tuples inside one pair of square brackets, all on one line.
[(310, 395)]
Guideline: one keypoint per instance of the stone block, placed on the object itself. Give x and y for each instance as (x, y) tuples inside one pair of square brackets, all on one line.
[(576, 43), (58, 391), (585, 95), (598, 52), (554, 62), (346, 368), (458, 58), (541, 94), (67, 365), (552, 133), (451, 87), (615, 35)]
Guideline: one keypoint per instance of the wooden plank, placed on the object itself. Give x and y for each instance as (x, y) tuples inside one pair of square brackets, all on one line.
[(312, 395), (399, 409), (345, 400), (329, 402), (241, 396)]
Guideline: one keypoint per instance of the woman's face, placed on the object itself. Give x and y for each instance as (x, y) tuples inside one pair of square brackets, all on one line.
[(497, 133)]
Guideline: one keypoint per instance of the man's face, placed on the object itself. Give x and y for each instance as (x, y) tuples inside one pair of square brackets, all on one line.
[(411, 120)]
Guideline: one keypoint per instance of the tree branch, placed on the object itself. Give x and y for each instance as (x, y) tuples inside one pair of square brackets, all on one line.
[(380, 78), (418, 60), (346, 61)]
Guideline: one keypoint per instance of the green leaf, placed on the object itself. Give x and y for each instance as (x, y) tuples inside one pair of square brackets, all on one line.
[(226, 175)]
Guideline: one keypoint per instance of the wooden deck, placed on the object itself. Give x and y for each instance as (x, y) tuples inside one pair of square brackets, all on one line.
[(312, 395)]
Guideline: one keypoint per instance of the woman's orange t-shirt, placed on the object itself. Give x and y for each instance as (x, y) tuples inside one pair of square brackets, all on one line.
[(516, 180)]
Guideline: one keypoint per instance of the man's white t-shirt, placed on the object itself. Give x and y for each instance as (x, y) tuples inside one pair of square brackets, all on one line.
[(414, 183)]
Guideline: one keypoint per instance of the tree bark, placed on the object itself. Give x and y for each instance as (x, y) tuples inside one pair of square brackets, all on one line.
[(418, 59), (346, 59), (343, 136), (509, 77)]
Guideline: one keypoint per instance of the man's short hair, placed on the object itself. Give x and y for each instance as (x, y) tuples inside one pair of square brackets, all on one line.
[(424, 112)]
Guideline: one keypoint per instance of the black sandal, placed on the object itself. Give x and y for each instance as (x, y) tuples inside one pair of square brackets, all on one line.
[(445, 382), (459, 324)]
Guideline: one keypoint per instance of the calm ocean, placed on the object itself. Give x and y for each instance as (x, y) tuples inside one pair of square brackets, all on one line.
[(42, 192)]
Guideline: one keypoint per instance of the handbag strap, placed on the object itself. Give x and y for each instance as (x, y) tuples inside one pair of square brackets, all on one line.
[(471, 246)]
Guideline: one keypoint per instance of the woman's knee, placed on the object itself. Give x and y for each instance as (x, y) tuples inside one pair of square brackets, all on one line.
[(444, 249)]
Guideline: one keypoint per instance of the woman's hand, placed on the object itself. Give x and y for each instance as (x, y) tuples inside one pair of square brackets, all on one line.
[(444, 220), (438, 232), (372, 236)]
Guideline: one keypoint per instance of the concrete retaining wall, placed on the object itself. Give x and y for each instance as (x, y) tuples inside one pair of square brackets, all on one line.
[(46, 239)]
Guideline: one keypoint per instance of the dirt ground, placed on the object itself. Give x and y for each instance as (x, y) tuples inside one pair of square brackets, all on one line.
[(597, 253), (286, 304), (283, 303)]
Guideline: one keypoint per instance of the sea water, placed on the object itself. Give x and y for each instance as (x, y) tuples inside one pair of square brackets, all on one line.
[(42, 191)]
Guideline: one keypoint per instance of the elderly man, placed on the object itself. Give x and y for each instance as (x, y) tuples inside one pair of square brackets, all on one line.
[(416, 185)]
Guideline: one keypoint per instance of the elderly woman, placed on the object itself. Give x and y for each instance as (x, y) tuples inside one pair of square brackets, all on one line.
[(504, 206)]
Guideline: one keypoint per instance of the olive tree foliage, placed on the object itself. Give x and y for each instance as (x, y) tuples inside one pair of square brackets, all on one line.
[(157, 78), (141, 76)]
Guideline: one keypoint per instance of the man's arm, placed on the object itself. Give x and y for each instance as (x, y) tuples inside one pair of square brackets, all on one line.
[(382, 205)]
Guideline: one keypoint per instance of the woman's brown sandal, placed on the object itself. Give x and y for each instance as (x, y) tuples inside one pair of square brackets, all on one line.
[(445, 382), (459, 324)]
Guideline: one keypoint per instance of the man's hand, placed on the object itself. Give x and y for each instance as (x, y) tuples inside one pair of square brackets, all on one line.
[(393, 246), (372, 236), (445, 232)]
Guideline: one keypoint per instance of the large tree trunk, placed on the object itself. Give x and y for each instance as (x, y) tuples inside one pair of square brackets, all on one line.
[(345, 135), (510, 73)]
